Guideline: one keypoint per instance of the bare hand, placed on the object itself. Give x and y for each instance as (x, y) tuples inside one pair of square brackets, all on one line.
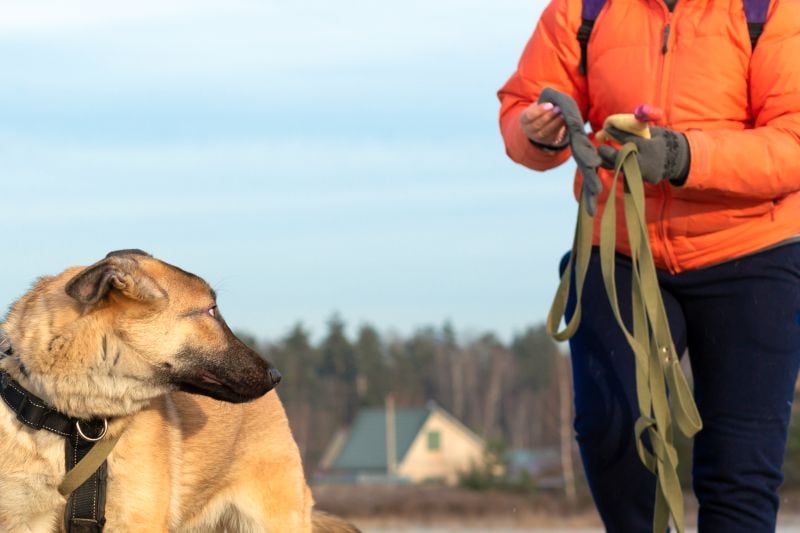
[(542, 123)]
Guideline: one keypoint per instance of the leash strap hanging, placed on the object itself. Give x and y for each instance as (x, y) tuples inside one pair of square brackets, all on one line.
[(661, 388)]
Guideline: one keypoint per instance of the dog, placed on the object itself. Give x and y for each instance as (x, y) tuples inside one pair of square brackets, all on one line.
[(203, 441)]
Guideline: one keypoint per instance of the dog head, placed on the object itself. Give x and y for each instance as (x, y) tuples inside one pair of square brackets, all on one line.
[(106, 339)]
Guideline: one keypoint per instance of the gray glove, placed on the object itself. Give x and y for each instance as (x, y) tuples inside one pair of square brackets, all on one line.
[(664, 156), (583, 151)]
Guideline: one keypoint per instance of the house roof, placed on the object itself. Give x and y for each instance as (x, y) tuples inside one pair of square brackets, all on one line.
[(533, 459), (365, 448)]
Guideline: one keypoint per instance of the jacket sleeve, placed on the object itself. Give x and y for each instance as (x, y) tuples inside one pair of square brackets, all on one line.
[(764, 162), (550, 59)]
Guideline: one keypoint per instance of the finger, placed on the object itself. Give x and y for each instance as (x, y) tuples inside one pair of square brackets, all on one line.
[(534, 121), (544, 128), (554, 129), (621, 136), (569, 108), (591, 188), (608, 155), (583, 151), (589, 201), (535, 111), (591, 181), (562, 133)]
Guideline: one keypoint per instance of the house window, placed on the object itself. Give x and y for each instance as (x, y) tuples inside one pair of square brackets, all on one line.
[(434, 440)]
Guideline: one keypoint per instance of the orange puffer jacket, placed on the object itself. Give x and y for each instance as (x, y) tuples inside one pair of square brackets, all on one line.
[(739, 109)]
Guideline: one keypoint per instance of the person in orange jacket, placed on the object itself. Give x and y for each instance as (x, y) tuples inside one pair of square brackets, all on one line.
[(723, 216)]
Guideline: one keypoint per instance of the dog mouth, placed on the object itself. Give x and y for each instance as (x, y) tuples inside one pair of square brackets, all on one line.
[(235, 375), (209, 378), (209, 384)]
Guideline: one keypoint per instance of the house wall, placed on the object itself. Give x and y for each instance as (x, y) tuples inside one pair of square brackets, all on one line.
[(458, 450)]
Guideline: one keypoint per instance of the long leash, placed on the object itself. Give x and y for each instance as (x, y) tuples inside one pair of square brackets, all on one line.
[(663, 394)]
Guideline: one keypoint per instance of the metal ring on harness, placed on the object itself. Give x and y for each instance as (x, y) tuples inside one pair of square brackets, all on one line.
[(92, 439)]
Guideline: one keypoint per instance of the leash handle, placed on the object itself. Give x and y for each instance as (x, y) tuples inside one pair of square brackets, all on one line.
[(637, 123), (663, 393), (661, 388)]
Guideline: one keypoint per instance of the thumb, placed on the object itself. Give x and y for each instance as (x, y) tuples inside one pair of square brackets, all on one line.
[(621, 136)]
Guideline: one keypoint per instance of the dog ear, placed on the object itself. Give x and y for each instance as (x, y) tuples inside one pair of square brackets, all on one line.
[(113, 274)]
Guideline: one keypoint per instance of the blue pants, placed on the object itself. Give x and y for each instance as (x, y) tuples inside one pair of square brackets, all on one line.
[(741, 324)]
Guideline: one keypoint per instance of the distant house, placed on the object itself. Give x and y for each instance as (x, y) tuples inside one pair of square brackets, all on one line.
[(542, 465), (429, 445)]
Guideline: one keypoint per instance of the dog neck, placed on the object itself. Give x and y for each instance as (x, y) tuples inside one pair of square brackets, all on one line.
[(12, 365), (14, 374)]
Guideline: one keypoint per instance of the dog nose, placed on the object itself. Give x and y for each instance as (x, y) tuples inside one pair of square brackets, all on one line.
[(274, 376)]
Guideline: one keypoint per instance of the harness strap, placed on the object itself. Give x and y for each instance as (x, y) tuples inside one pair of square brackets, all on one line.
[(32, 410), (663, 394), (85, 482), (85, 511)]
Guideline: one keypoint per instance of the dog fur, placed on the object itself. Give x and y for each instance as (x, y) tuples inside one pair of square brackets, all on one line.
[(205, 444)]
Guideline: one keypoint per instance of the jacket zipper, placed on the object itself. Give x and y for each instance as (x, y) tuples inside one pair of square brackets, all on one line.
[(663, 224)]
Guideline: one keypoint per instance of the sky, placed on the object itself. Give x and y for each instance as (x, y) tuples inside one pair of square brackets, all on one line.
[(306, 157)]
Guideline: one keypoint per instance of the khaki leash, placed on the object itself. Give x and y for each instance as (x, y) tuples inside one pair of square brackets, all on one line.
[(87, 466), (663, 394)]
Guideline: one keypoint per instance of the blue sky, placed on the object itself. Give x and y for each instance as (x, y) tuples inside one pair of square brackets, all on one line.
[(306, 157)]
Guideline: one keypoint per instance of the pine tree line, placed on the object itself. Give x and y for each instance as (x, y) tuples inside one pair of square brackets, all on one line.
[(505, 392)]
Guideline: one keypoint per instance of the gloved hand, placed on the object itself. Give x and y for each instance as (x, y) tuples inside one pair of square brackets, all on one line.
[(664, 156), (583, 151)]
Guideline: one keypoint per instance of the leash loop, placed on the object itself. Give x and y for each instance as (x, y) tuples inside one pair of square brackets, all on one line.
[(663, 395)]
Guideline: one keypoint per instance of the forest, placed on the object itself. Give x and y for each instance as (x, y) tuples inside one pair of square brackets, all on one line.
[(507, 392), (514, 394)]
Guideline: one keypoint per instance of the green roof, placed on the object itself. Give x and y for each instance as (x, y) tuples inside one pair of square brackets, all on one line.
[(365, 448)]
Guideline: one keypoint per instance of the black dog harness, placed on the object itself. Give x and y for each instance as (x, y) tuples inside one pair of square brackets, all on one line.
[(85, 511)]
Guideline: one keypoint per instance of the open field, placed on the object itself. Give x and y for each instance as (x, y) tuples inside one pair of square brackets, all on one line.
[(432, 509), (378, 506)]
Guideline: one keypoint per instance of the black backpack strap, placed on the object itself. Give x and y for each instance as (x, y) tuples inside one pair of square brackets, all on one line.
[(589, 11), (756, 13)]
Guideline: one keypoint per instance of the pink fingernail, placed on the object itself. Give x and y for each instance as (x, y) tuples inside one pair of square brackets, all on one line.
[(547, 106), (556, 109)]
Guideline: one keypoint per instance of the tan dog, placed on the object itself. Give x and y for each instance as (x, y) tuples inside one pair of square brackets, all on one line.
[(119, 340)]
